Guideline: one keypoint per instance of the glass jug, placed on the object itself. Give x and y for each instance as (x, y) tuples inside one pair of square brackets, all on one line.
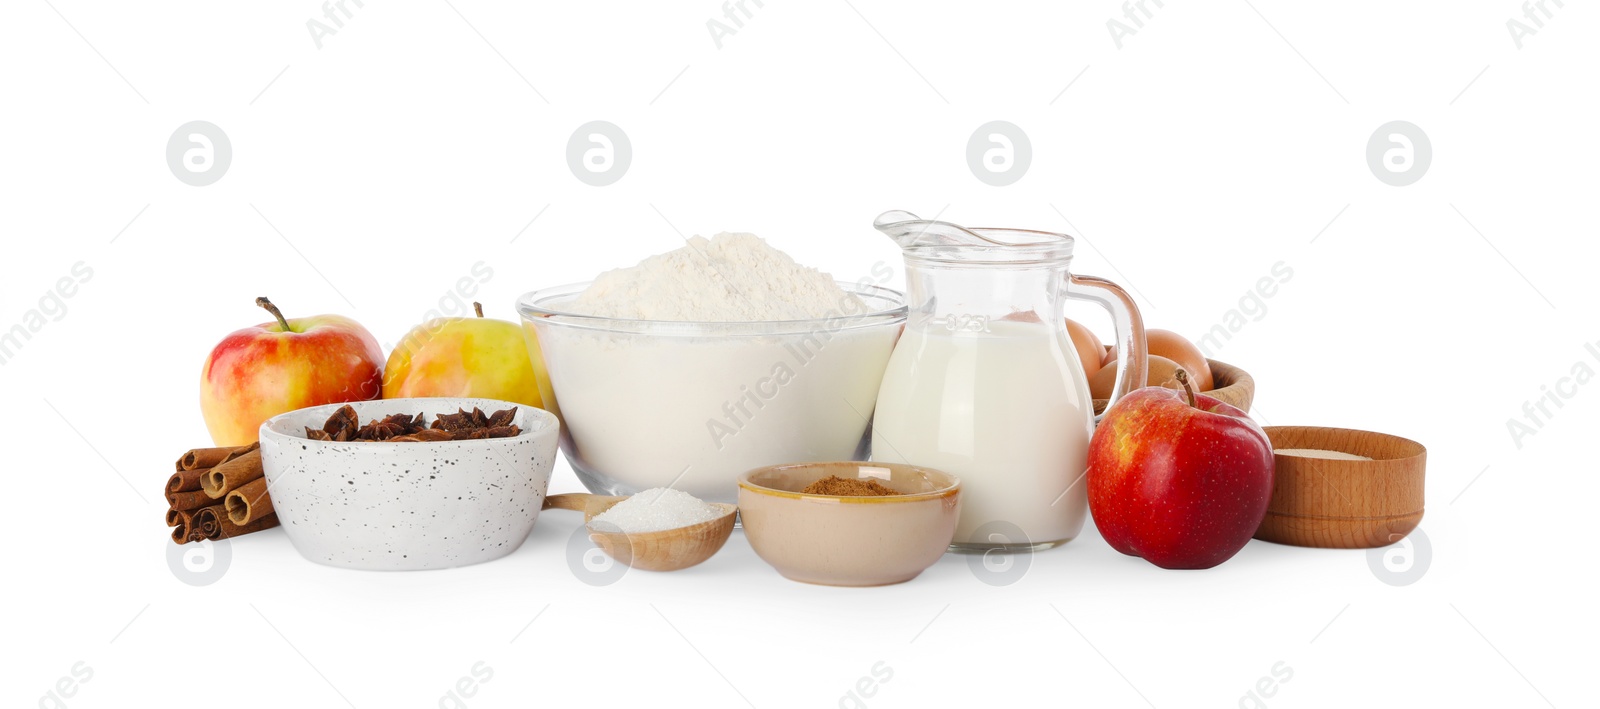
[(985, 382)]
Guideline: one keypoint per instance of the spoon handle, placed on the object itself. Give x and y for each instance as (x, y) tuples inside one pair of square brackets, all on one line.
[(568, 501), (589, 505)]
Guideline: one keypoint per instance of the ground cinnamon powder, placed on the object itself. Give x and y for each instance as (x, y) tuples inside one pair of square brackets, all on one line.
[(848, 487)]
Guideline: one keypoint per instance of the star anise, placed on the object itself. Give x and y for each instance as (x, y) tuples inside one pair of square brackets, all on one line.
[(459, 421), (390, 427), (495, 432), (503, 417), (426, 434), (344, 425), (380, 431)]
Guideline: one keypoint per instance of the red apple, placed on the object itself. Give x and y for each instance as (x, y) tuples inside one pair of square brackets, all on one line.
[(1180, 479), (262, 371)]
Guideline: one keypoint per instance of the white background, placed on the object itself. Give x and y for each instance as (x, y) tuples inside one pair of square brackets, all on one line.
[(1219, 139)]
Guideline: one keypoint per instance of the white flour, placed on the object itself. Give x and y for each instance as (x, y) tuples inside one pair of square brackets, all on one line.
[(692, 411), (727, 278)]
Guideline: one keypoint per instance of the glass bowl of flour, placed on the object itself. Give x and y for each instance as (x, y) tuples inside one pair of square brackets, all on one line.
[(702, 363)]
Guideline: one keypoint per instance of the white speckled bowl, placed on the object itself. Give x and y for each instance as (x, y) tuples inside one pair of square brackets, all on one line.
[(407, 506)]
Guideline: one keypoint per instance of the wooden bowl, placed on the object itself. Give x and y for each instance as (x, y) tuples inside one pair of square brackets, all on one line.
[(1343, 504), (1231, 385)]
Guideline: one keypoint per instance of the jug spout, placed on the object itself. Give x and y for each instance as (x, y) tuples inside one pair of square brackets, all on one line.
[(902, 226), (911, 231), (931, 238), (895, 222)]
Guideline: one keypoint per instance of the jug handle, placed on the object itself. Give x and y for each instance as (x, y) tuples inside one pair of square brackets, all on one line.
[(1131, 363)]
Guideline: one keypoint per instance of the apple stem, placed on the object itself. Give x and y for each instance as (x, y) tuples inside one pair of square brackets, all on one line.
[(478, 308), (263, 302), (1188, 389)]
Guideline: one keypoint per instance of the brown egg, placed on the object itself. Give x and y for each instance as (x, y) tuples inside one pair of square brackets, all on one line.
[(1169, 344), (1088, 346), (1159, 372)]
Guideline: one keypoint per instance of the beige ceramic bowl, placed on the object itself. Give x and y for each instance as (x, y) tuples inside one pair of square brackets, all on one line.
[(849, 541)]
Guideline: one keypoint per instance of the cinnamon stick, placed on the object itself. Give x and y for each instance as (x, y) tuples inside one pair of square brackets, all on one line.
[(240, 451), (205, 457), (213, 523), (181, 522), (231, 474), (248, 503), (205, 523), (192, 500), (186, 480)]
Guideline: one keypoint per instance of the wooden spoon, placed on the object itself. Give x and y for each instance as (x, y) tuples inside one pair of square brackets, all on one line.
[(665, 550)]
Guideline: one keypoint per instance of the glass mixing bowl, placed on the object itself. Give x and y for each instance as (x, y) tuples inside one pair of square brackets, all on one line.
[(691, 405)]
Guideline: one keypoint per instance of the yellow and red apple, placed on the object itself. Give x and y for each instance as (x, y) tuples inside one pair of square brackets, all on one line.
[(259, 372), (471, 357)]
